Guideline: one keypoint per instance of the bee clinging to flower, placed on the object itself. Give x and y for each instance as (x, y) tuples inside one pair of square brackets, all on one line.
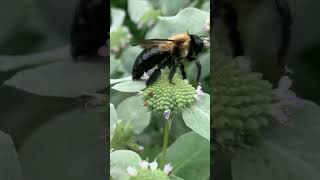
[(169, 52)]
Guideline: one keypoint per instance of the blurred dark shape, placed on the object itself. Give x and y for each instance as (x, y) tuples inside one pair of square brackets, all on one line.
[(214, 12), (231, 22), (228, 13), (284, 11), (89, 28)]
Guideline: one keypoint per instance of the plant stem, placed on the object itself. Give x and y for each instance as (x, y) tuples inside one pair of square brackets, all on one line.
[(165, 144)]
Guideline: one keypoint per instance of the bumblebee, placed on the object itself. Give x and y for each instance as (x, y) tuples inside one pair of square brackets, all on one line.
[(160, 53)]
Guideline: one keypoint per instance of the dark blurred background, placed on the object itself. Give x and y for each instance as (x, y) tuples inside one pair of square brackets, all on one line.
[(260, 25), (42, 92)]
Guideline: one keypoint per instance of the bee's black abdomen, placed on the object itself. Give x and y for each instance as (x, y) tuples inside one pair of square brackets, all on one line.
[(146, 60)]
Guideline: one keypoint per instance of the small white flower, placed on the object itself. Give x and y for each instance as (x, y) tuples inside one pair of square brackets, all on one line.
[(141, 148), (167, 169), (153, 166), (150, 23), (140, 25), (144, 164), (186, 81), (115, 49), (103, 51), (199, 92), (132, 171), (126, 29), (123, 43), (285, 83), (167, 113), (140, 93), (206, 26), (145, 76), (281, 110)]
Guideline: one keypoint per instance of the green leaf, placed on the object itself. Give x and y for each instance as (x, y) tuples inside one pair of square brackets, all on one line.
[(9, 165), (69, 146), (128, 57), (197, 117), (57, 22), (12, 13), (113, 120), (272, 162), (130, 86), (119, 162), (173, 177), (12, 62), (206, 6), (115, 81), (169, 7), (285, 152), (134, 112), (204, 60), (190, 157), (189, 19), (137, 8), (118, 16), (114, 64), (61, 79)]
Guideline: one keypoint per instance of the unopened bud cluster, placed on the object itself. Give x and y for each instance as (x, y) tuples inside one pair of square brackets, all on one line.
[(164, 95), (149, 171), (123, 137), (242, 104)]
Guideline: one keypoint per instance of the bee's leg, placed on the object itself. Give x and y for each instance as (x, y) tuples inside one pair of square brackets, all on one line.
[(199, 70), (156, 73), (153, 77), (173, 68), (183, 72)]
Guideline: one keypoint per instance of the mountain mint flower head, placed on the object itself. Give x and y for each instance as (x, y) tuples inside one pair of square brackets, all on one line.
[(242, 104), (168, 98), (119, 38), (123, 137), (149, 171)]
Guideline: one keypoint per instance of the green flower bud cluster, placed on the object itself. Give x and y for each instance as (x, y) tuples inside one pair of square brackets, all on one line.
[(163, 95), (123, 137), (242, 104), (147, 174)]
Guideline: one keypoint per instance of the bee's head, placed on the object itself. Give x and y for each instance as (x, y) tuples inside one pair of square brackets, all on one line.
[(197, 44)]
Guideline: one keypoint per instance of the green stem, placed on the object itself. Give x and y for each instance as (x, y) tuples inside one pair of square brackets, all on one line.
[(165, 144)]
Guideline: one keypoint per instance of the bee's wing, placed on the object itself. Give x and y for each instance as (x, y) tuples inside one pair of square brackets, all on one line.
[(162, 44)]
